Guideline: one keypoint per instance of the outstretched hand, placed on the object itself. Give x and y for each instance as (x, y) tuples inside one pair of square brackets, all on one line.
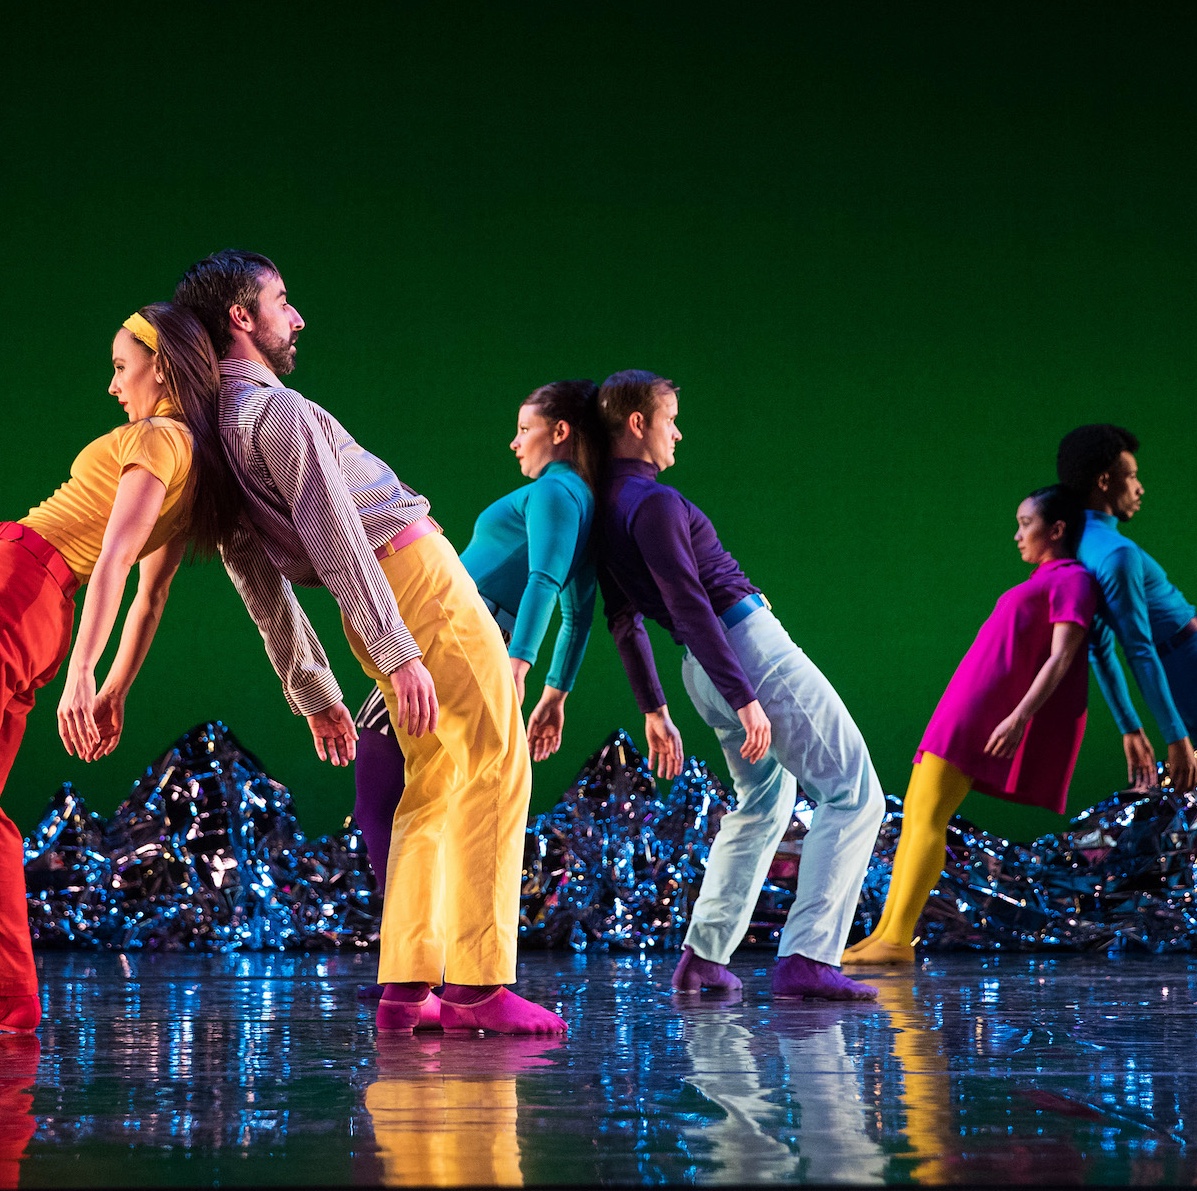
[(1182, 767), (758, 731), (546, 724), (416, 694), (664, 744), (334, 735), (76, 715), (1140, 760), (110, 722), (1006, 737)]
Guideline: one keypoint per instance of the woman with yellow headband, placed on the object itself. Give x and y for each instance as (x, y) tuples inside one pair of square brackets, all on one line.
[(133, 494)]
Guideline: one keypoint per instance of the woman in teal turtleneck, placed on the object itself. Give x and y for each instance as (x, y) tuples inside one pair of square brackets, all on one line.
[(529, 550)]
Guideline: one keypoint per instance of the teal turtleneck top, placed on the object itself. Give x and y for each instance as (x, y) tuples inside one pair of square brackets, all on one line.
[(531, 548)]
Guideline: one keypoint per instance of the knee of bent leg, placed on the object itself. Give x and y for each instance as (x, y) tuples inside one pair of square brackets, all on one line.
[(861, 791)]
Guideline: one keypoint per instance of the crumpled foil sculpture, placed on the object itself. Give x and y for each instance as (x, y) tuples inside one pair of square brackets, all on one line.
[(206, 852), (615, 862)]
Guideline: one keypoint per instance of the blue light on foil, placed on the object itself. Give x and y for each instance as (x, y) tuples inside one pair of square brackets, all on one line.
[(207, 853)]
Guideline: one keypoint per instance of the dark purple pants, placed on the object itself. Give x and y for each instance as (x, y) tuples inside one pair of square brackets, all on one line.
[(378, 779)]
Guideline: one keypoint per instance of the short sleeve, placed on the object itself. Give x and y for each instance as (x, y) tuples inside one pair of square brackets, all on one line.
[(1073, 598), (163, 450)]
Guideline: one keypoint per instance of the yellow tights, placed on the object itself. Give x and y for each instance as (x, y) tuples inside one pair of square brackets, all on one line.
[(936, 790)]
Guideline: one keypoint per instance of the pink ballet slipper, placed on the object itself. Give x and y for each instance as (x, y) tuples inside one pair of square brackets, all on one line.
[(797, 976), (395, 1016), (694, 973), (20, 1015), (502, 1012)]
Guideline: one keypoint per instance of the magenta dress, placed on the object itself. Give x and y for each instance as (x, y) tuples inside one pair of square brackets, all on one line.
[(998, 671)]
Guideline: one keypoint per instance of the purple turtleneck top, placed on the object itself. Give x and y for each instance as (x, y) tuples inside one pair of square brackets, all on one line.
[(659, 557)]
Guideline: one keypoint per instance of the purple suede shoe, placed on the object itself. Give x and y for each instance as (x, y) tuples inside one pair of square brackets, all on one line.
[(797, 976), (694, 973)]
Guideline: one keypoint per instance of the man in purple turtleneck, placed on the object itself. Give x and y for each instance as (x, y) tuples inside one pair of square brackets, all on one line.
[(778, 720)]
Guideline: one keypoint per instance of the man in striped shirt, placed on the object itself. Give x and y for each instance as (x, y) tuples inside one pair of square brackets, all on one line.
[(319, 510)]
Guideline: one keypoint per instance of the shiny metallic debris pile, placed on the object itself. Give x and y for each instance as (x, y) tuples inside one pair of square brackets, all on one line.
[(206, 852), (617, 863), (1122, 877)]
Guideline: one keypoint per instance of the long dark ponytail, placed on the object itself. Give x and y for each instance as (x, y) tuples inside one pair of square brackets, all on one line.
[(575, 402), (192, 376)]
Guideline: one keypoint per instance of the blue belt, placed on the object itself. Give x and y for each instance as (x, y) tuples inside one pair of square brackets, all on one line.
[(742, 608)]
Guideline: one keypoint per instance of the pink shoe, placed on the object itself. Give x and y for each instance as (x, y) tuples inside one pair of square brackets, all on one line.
[(694, 973), (20, 1015), (405, 1016), (502, 1012), (797, 976)]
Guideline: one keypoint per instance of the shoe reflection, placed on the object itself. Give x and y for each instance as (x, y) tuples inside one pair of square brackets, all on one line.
[(828, 1141), (19, 1057), (445, 1109)]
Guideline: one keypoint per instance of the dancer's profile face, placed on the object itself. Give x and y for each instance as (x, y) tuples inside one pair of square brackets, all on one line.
[(276, 326), (136, 382), (537, 441), (661, 435), (1037, 540), (1124, 494)]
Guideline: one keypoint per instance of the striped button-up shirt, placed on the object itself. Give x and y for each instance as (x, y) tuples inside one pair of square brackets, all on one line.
[(317, 506)]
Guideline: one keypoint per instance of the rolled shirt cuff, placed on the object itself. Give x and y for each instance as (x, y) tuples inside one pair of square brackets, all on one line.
[(390, 652), (317, 694)]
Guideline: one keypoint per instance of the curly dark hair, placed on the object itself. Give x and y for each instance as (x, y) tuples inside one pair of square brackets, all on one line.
[(224, 279), (1087, 451)]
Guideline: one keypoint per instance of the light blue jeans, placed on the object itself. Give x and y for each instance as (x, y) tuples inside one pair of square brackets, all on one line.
[(816, 743)]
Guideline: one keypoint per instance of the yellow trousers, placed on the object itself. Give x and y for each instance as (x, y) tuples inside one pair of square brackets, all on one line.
[(436, 1130), (451, 905), (936, 790)]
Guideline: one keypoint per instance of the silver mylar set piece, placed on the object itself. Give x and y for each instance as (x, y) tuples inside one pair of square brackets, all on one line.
[(207, 853)]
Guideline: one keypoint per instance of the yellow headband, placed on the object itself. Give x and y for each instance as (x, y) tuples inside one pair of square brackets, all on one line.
[(142, 330)]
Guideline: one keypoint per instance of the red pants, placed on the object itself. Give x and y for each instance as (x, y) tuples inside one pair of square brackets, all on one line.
[(35, 636)]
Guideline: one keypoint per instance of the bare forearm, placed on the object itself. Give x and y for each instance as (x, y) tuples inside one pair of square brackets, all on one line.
[(141, 623), (1050, 675), (100, 607)]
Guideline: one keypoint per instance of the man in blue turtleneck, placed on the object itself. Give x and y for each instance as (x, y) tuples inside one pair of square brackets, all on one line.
[(1140, 608)]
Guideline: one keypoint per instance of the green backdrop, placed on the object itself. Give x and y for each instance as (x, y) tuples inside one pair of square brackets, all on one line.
[(891, 252)]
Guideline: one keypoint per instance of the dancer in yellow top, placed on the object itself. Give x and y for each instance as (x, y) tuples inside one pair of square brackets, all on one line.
[(136, 493)]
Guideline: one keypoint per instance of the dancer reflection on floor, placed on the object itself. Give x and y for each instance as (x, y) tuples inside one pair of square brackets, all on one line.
[(822, 1081), (1011, 720), (446, 1113), (322, 511), (777, 718), (1140, 607), (134, 494), (530, 549), (19, 1056)]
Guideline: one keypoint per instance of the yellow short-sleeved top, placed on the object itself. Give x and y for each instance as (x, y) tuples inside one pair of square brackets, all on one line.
[(74, 518)]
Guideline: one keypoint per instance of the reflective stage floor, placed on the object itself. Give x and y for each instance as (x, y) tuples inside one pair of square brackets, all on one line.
[(265, 1069)]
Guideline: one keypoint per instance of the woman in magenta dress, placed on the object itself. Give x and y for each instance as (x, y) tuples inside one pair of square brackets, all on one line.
[(1011, 720)]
